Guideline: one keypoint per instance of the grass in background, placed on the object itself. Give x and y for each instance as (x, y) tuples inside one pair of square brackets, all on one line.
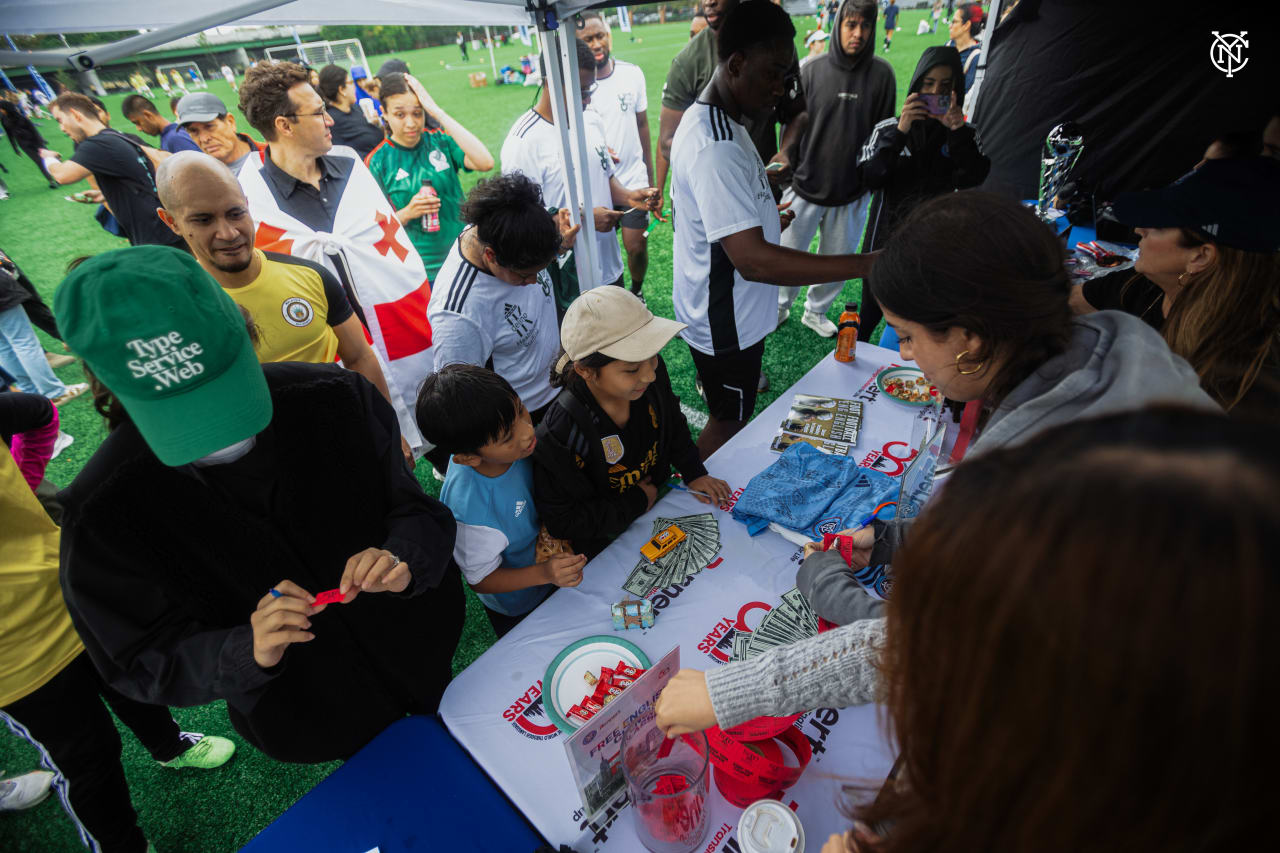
[(221, 810)]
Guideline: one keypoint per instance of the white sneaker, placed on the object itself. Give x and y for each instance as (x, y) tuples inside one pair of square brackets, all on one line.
[(819, 323), (25, 791), (71, 393), (63, 441), (784, 311)]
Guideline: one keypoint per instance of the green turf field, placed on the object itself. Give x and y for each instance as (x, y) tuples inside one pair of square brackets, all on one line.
[(220, 810)]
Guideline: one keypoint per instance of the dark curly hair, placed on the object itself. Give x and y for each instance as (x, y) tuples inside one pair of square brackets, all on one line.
[(509, 217), (264, 95)]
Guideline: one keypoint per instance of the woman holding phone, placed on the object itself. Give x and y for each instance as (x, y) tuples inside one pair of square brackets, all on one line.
[(926, 151)]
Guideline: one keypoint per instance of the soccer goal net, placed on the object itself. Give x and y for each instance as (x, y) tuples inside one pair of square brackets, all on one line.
[(189, 74), (317, 54)]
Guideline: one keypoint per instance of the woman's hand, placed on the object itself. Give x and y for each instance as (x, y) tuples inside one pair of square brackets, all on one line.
[(568, 231), (913, 109), (420, 205), (429, 104), (282, 617), (684, 706), (953, 119), (373, 570)]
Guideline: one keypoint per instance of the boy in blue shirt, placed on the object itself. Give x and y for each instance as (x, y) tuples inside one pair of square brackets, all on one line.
[(475, 416)]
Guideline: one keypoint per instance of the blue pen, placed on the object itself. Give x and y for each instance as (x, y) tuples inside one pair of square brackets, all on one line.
[(275, 593)]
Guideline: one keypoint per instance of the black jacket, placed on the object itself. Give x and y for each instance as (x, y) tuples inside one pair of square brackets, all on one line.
[(571, 477), (22, 132), (905, 169), (15, 287), (846, 95), (162, 567)]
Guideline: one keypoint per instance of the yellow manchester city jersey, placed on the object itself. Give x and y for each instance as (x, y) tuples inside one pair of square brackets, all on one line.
[(294, 303)]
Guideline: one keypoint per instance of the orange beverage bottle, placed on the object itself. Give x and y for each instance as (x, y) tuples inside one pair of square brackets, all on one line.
[(847, 333)]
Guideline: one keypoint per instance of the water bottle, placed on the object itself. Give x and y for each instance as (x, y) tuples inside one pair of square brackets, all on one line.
[(847, 333)]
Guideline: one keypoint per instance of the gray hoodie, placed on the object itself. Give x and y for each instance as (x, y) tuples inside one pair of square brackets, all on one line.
[(1114, 362)]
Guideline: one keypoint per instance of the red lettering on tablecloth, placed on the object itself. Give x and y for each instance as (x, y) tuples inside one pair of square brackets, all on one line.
[(528, 717)]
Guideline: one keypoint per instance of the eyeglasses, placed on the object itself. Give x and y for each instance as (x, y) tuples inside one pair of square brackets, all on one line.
[(320, 114)]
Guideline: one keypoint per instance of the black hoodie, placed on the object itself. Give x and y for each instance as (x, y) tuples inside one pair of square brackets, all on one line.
[(928, 160), (845, 96), (904, 169)]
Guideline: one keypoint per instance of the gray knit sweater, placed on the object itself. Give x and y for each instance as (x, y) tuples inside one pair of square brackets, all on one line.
[(832, 670)]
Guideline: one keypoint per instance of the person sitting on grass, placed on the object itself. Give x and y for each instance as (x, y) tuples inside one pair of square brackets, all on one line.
[(50, 694), (226, 495), (1059, 662), (477, 417), (611, 437), (426, 148)]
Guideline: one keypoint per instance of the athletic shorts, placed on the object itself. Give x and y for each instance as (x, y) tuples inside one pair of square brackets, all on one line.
[(729, 381), (634, 219)]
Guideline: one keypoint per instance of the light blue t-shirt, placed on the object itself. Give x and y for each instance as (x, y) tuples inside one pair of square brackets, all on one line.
[(497, 528)]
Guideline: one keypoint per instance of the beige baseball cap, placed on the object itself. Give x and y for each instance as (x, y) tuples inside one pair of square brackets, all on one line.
[(613, 321)]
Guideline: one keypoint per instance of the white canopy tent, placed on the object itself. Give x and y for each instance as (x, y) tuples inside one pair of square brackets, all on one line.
[(166, 22)]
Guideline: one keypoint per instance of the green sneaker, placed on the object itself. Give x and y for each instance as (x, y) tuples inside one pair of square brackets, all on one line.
[(209, 751)]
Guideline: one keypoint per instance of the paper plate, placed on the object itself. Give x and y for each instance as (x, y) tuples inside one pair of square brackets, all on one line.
[(889, 374), (563, 686)]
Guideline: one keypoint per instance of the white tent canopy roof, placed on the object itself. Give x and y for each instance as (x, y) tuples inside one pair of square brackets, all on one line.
[(80, 16)]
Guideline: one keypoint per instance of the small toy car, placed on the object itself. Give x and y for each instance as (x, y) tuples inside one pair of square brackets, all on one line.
[(662, 543)]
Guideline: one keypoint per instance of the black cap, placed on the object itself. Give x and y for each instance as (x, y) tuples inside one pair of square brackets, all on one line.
[(1231, 202), (392, 66)]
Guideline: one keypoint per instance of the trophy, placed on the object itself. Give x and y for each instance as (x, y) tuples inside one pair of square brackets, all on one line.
[(1061, 151)]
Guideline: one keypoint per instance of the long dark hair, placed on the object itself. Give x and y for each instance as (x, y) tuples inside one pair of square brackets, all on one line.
[(986, 264), (1226, 320), (1065, 670)]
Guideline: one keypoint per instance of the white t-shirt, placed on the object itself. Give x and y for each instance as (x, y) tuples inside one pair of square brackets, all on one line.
[(617, 99), (718, 188), (478, 319), (533, 147)]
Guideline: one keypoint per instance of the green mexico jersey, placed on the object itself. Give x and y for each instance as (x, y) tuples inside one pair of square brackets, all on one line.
[(401, 171)]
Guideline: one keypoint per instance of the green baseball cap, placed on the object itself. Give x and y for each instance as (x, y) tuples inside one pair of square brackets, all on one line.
[(168, 342)]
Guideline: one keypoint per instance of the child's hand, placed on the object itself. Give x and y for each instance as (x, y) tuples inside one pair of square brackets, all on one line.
[(650, 491), (718, 490), (563, 569)]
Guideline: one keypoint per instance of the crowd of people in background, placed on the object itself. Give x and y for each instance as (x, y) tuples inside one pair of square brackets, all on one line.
[(318, 285)]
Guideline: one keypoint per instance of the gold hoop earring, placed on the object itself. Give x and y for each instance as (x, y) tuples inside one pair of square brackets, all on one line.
[(977, 369)]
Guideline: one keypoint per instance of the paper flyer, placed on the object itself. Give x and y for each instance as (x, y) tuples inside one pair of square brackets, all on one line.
[(830, 424), (595, 750)]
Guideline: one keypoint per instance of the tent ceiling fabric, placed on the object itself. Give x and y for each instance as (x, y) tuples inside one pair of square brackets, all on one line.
[(82, 16)]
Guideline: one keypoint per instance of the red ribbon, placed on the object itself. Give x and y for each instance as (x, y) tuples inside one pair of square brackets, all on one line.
[(747, 760)]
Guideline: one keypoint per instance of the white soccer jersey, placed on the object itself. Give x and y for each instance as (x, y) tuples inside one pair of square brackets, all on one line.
[(533, 147), (511, 329), (718, 188), (616, 100)]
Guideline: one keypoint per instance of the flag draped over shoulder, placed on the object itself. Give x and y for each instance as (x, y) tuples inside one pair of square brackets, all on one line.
[(370, 252)]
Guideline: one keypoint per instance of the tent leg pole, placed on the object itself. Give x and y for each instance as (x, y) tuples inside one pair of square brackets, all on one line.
[(493, 63)]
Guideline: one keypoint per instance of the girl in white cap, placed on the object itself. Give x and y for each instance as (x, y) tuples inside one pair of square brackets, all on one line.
[(614, 432)]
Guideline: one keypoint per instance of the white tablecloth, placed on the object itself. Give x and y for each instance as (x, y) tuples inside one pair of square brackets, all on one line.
[(494, 707)]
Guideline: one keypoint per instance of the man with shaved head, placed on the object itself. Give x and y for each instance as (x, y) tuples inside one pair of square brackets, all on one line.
[(300, 309)]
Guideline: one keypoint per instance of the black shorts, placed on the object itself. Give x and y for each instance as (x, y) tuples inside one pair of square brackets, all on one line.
[(634, 219), (729, 381)]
